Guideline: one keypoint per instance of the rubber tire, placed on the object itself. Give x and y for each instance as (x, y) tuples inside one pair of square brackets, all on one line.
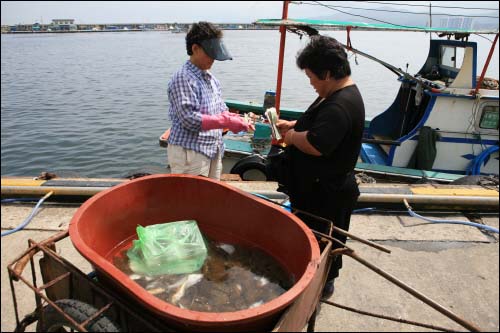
[(79, 311), (252, 162)]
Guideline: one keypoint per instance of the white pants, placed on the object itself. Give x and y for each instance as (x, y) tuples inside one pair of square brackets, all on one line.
[(185, 161)]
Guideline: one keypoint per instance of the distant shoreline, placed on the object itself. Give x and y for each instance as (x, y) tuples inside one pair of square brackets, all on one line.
[(119, 30), (143, 30)]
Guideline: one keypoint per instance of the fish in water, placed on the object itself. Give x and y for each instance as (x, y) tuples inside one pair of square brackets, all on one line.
[(256, 304), (226, 247), (188, 281), (156, 291), (262, 281)]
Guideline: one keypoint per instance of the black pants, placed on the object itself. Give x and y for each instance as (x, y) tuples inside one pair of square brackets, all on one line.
[(333, 200)]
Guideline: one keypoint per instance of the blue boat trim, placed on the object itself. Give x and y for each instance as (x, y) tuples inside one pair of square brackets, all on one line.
[(414, 131), (443, 94), (431, 174), (372, 153), (462, 140)]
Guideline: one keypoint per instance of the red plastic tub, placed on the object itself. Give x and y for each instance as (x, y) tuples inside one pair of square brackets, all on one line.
[(107, 220)]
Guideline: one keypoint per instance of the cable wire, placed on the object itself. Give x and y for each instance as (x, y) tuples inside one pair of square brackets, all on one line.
[(317, 3), (413, 5), (399, 11)]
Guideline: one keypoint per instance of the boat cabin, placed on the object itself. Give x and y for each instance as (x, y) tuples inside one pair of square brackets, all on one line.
[(435, 120)]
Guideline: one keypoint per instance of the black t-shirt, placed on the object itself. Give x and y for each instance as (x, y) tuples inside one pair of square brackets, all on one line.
[(335, 129)]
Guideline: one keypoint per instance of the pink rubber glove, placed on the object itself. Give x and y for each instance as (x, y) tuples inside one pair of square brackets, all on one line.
[(224, 120)]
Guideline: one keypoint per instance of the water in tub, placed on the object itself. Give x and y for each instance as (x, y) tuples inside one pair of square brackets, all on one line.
[(232, 278)]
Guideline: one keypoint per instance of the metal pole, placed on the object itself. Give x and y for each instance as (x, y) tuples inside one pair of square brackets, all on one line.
[(467, 201), (376, 315), (281, 56), (431, 199), (486, 65), (415, 293), (430, 19)]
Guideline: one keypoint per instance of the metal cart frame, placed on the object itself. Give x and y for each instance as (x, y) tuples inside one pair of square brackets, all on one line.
[(62, 281)]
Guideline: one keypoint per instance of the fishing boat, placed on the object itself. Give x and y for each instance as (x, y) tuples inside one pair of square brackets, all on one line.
[(105, 220), (442, 125)]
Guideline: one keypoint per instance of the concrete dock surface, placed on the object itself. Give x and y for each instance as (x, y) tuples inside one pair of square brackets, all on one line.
[(455, 265)]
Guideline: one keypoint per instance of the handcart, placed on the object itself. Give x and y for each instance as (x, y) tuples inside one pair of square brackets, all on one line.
[(69, 298)]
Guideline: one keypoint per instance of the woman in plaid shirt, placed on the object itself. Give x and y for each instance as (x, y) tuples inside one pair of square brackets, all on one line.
[(197, 110)]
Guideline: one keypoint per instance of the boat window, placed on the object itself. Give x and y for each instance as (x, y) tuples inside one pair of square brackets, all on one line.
[(489, 117), (452, 56)]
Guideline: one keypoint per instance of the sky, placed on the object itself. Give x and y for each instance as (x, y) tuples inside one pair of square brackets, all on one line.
[(29, 12)]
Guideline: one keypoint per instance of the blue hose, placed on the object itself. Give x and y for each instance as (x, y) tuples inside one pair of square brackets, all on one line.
[(19, 200), (362, 210), (478, 225), (475, 165), (30, 217), (287, 205)]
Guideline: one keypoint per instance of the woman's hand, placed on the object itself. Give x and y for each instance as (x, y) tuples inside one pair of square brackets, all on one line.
[(284, 126)]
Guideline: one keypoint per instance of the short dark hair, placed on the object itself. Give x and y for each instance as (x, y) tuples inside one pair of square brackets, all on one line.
[(199, 32), (323, 54)]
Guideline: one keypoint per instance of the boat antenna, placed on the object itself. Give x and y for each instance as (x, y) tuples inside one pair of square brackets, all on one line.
[(430, 19)]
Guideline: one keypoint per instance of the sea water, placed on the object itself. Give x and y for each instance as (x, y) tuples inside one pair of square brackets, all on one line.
[(233, 278), (94, 104)]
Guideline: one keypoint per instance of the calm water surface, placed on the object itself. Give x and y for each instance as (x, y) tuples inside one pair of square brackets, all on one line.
[(93, 105)]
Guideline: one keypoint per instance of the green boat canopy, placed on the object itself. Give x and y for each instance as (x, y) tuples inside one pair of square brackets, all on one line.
[(361, 26)]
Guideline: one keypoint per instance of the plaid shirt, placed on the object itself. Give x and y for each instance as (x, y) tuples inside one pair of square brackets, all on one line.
[(193, 92)]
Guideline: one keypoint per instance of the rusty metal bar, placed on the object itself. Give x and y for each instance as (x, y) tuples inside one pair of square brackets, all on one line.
[(46, 299), (51, 283), (36, 247), (332, 239), (400, 320), (97, 314), (27, 320), (415, 293), (38, 299), (41, 295), (483, 73), (21, 261), (343, 232), (14, 298)]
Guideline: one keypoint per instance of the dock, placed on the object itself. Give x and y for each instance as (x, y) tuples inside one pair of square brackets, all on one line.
[(455, 265)]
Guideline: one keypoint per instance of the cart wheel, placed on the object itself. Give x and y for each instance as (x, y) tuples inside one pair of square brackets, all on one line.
[(79, 311)]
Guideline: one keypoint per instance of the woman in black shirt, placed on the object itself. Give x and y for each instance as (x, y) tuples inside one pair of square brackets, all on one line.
[(324, 143)]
